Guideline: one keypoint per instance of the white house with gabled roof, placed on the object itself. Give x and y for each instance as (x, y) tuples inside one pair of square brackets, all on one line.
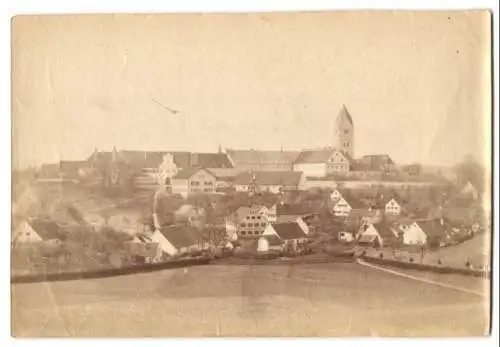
[(392, 207)]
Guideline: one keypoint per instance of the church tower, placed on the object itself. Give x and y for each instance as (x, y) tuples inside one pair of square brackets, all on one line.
[(344, 132)]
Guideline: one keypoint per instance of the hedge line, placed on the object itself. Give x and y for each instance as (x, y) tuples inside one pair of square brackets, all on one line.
[(103, 273), (261, 260), (427, 267)]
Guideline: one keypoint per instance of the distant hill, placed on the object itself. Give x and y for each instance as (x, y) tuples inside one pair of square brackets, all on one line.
[(71, 203)]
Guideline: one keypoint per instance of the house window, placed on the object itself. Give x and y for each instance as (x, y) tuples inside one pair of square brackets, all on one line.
[(243, 233), (243, 225), (263, 224)]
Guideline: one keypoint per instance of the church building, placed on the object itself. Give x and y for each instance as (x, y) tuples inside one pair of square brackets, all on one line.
[(337, 158)]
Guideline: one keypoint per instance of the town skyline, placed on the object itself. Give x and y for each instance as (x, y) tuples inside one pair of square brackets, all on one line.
[(275, 80)]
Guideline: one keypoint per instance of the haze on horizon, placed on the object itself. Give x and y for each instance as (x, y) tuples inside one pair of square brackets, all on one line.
[(417, 84)]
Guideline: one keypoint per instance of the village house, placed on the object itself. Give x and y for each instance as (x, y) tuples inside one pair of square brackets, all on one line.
[(272, 213), (143, 246), (377, 234), (435, 230), (412, 234), (322, 162), (346, 236), (469, 191), (151, 169), (267, 243), (337, 194), (247, 221), (196, 180), (291, 234), (295, 213), (161, 167), (423, 232), (392, 207), (177, 240), (378, 162), (110, 170), (183, 239), (284, 211), (259, 160), (343, 207), (269, 181), (36, 231)]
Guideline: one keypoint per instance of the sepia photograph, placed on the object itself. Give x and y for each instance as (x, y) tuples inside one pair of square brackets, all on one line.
[(260, 174)]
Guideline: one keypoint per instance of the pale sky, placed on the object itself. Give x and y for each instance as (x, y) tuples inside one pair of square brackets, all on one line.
[(417, 84)]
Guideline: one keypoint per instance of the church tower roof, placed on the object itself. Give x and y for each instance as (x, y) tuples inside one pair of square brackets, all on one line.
[(344, 115)]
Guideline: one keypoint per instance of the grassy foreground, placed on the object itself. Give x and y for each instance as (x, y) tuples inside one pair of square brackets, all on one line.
[(241, 300)]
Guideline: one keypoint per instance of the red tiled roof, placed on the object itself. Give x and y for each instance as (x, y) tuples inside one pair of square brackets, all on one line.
[(262, 157), (190, 171), (152, 159), (292, 209), (273, 240), (384, 230), (289, 231), (47, 229), (433, 227), (181, 236), (315, 156), (211, 160)]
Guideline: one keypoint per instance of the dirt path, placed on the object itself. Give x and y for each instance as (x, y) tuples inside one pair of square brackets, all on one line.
[(420, 279)]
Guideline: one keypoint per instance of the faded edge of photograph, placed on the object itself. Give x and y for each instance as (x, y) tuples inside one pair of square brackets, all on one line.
[(323, 174)]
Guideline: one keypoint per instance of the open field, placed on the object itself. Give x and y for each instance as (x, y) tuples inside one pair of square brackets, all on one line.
[(243, 300), (476, 250)]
